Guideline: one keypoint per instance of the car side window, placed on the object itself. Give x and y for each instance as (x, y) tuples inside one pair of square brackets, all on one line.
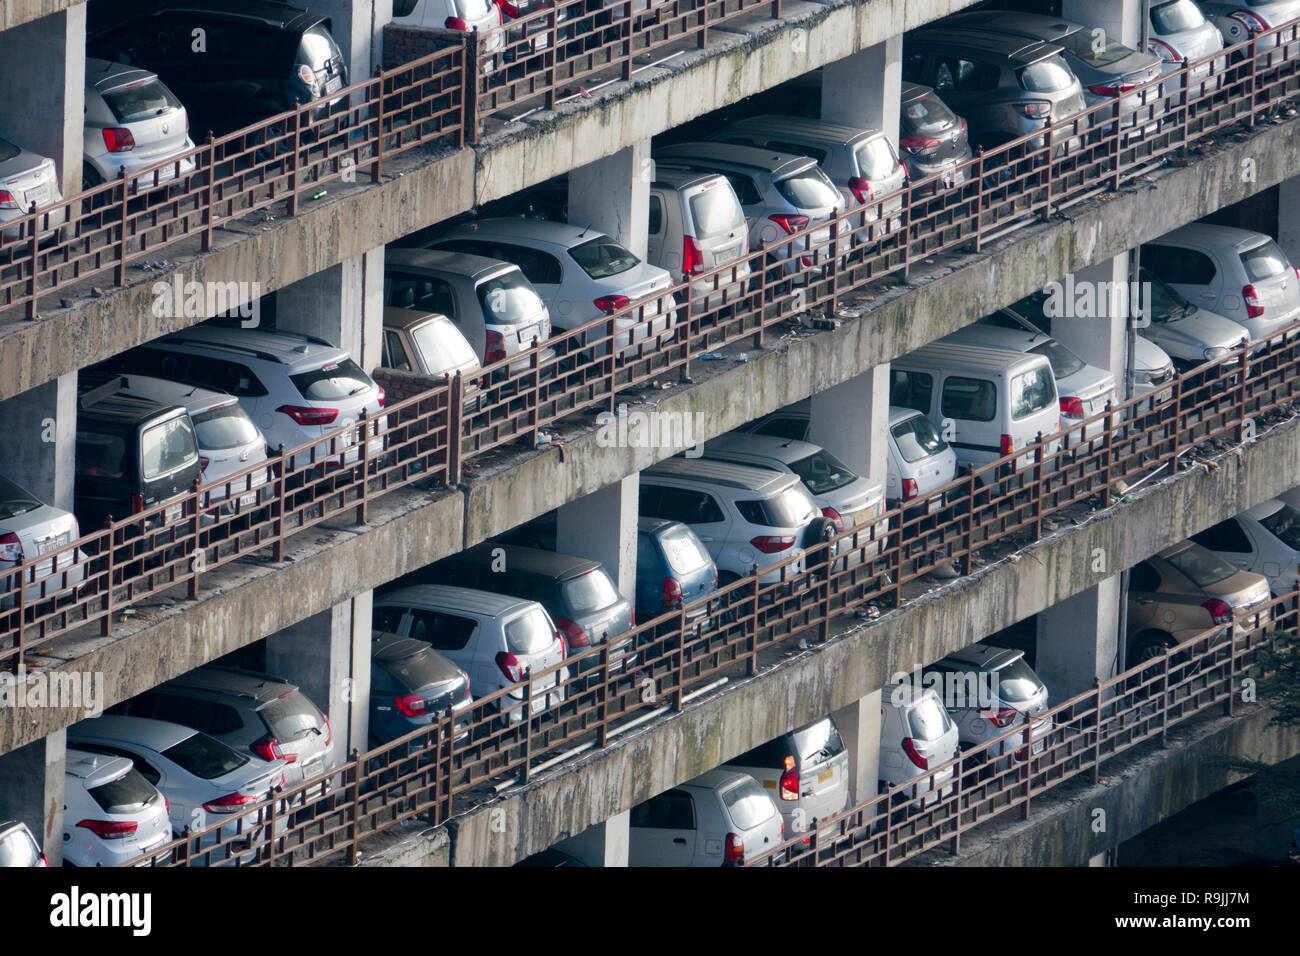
[(423, 293), (205, 715), (795, 428), (538, 267), (387, 619), (746, 191), (914, 68), (673, 810), (800, 149), (1224, 536), (1178, 265), (910, 389), (656, 225), (446, 632), (970, 399), (395, 352), (968, 76), (1144, 577), (690, 507)]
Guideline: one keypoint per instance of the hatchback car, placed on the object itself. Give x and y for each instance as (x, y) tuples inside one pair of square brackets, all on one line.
[(426, 343), (1238, 22), (111, 813), (1264, 539), (932, 139), (30, 529), (717, 819), (673, 568), (411, 685), (1241, 275), (18, 848), (1189, 334), (468, 16), (1180, 34), (132, 122), (580, 274), (917, 737), (696, 225), (26, 179)]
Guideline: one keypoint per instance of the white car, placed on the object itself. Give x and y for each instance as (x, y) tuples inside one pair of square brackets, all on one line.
[(132, 122), (1189, 334), (1180, 34), (467, 16), (18, 848), (111, 813), (27, 179), (579, 273), (720, 818), (1264, 539), (917, 739), (30, 529)]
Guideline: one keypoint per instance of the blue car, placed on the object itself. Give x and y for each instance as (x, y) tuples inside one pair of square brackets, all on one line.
[(673, 567), (410, 685)]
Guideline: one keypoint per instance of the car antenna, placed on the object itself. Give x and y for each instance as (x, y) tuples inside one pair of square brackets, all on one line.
[(584, 230)]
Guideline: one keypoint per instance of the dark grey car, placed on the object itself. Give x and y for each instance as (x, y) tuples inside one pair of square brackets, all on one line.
[(932, 139)]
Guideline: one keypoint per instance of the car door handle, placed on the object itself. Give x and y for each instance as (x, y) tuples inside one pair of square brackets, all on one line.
[(1145, 601), (679, 841)]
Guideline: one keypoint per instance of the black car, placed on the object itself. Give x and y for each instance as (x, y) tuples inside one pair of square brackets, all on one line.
[(410, 685), (232, 63)]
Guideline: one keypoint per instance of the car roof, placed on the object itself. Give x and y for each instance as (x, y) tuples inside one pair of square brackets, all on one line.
[(813, 129), (752, 157), (899, 413), (107, 75), (951, 355), (983, 656), (523, 559), (1177, 548), (654, 525), (908, 692), (717, 779), (1035, 25), (527, 230), (156, 735), (287, 348), (1017, 49), (447, 260), (457, 598), (162, 390), (274, 13), (674, 178), (997, 337), (1213, 235), (94, 769), (397, 318), (913, 91), (1264, 509), (235, 682), (745, 477), (386, 647), (130, 409), (784, 450)]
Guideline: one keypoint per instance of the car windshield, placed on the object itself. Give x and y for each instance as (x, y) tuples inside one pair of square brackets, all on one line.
[(917, 439), (1284, 524), (205, 757), (927, 116), (1176, 16), (876, 158), (129, 793), (822, 472), (167, 446), (442, 347), (809, 189), (17, 849), (1081, 43), (509, 300), (1017, 682), (140, 100), (589, 592), (332, 382), (683, 549), (821, 740), (226, 427), (1164, 302), (317, 46), (1265, 261), (1048, 75), (1201, 565), (530, 632), (14, 500), (716, 210), (1031, 392), (291, 716), (602, 257), (1064, 362), (747, 804), (927, 720)]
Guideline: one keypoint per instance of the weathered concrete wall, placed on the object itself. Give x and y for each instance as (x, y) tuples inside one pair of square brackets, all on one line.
[(16, 12)]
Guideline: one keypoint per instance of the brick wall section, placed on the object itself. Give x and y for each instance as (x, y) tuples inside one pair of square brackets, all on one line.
[(399, 386), (402, 44)]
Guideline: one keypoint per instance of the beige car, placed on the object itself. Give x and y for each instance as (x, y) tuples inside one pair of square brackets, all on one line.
[(1183, 591)]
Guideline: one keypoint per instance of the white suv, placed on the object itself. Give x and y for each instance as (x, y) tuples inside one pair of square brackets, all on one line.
[(745, 516), (295, 388), (111, 813)]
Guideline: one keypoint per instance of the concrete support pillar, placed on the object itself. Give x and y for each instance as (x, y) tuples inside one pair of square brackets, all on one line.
[(859, 725), (43, 75), (612, 195), (1078, 640), (602, 527), (33, 791), (39, 440), (1101, 859), (1288, 217), (1096, 328), (328, 657), (343, 304), (357, 26), (850, 421), (1121, 19), (863, 90), (604, 844)]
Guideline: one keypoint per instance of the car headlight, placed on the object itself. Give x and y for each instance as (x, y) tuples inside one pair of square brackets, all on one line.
[(1216, 353)]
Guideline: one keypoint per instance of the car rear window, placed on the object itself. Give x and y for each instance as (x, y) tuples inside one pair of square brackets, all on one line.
[(822, 472), (530, 632), (1017, 682), (927, 720), (1265, 261), (917, 439), (17, 849), (141, 100), (602, 257), (167, 446), (291, 716), (1201, 565), (1031, 392), (226, 427), (683, 550), (419, 670), (509, 299), (819, 742), (1080, 44), (1284, 524), (1048, 75), (470, 9), (332, 382), (129, 793), (1064, 362), (791, 508), (876, 158), (205, 757), (1176, 16), (810, 189), (715, 210), (747, 804), (927, 115), (14, 500), (589, 592), (442, 346)]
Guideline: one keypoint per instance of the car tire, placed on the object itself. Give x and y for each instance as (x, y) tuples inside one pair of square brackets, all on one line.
[(1147, 646)]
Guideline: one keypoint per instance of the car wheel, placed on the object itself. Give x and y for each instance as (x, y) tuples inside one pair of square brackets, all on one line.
[(1148, 646)]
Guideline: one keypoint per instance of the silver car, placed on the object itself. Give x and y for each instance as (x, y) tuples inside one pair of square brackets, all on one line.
[(1189, 334), (717, 819), (918, 460), (26, 179), (1180, 34), (111, 813), (1244, 19), (18, 848), (132, 122), (29, 530)]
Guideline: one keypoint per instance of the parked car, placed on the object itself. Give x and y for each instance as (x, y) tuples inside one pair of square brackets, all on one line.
[(111, 813), (18, 848), (1241, 275), (30, 529), (490, 302), (1264, 539), (989, 691), (429, 344), (717, 819), (917, 737), (296, 388), (745, 516), (411, 685), (1238, 22), (673, 567), (258, 57), (932, 139), (696, 225), (781, 194), (1183, 591), (805, 771), (1180, 34), (1189, 334), (205, 781), (579, 273), (253, 713), (132, 122), (494, 638), (467, 16), (27, 179)]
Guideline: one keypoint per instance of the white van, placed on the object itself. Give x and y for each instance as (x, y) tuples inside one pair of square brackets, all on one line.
[(916, 737), (985, 402)]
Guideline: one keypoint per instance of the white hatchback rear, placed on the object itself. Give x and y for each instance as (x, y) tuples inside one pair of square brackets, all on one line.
[(111, 813)]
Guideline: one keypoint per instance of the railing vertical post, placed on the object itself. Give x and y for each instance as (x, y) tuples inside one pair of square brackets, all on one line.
[(776, 8), (625, 42), (753, 625), (270, 829), (193, 512), (527, 723), (906, 231), (1040, 479), (956, 799), (209, 191), (354, 831), (1251, 53), (533, 397), (291, 204), (1184, 81), (20, 605), (1117, 138), (602, 699), (279, 468), (363, 464), (1096, 732), (377, 167), (1242, 382), (704, 24), (123, 221), (1176, 403), (1164, 699), (33, 278), (611, 358), (106, 623), (1047, 151), (1108, 451), (1232, 667), (548, 58), (455, 427)]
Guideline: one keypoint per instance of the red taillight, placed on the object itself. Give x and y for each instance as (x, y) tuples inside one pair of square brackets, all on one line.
[(500, 16), (910, 490), (411, 705), (834, 516), (609, 304), (564, 649), (510, 666), (7, 199), (772, 543), (306, 415), (692, 258), (791, 224), (672, 592), (268, 748), (231, 803), (1036, 110), (909, 747), (383, 398), (110, 829), (1253, 307), (137, 504), (1071, 406), (1163, 50), (204, 461), (11, 549), (862, 189), (919, 144), (789, 789), (1251, 21), (510, 9), (1001, 717), (1006, 445), (573, 632), (1110, 90), (329, 733), (118, 140), (735, 852), (1219, 610), (456, 23), (496, 348)]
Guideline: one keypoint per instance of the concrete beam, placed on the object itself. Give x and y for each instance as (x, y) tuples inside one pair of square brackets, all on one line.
[(343, 304), (14, 13), (358, 28), (39, 440)]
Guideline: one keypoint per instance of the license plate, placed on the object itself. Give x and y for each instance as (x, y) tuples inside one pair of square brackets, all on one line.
[(825, 775), (862, 517), (174, 513), (1164, 395), (334, 84), (53, 543), (1038, 747)]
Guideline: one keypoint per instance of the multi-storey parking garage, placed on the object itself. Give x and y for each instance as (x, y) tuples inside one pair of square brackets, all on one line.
[(281, 226)]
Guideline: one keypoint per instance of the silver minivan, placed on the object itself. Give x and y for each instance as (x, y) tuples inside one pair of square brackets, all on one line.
[(696, 225), (717, 819)]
